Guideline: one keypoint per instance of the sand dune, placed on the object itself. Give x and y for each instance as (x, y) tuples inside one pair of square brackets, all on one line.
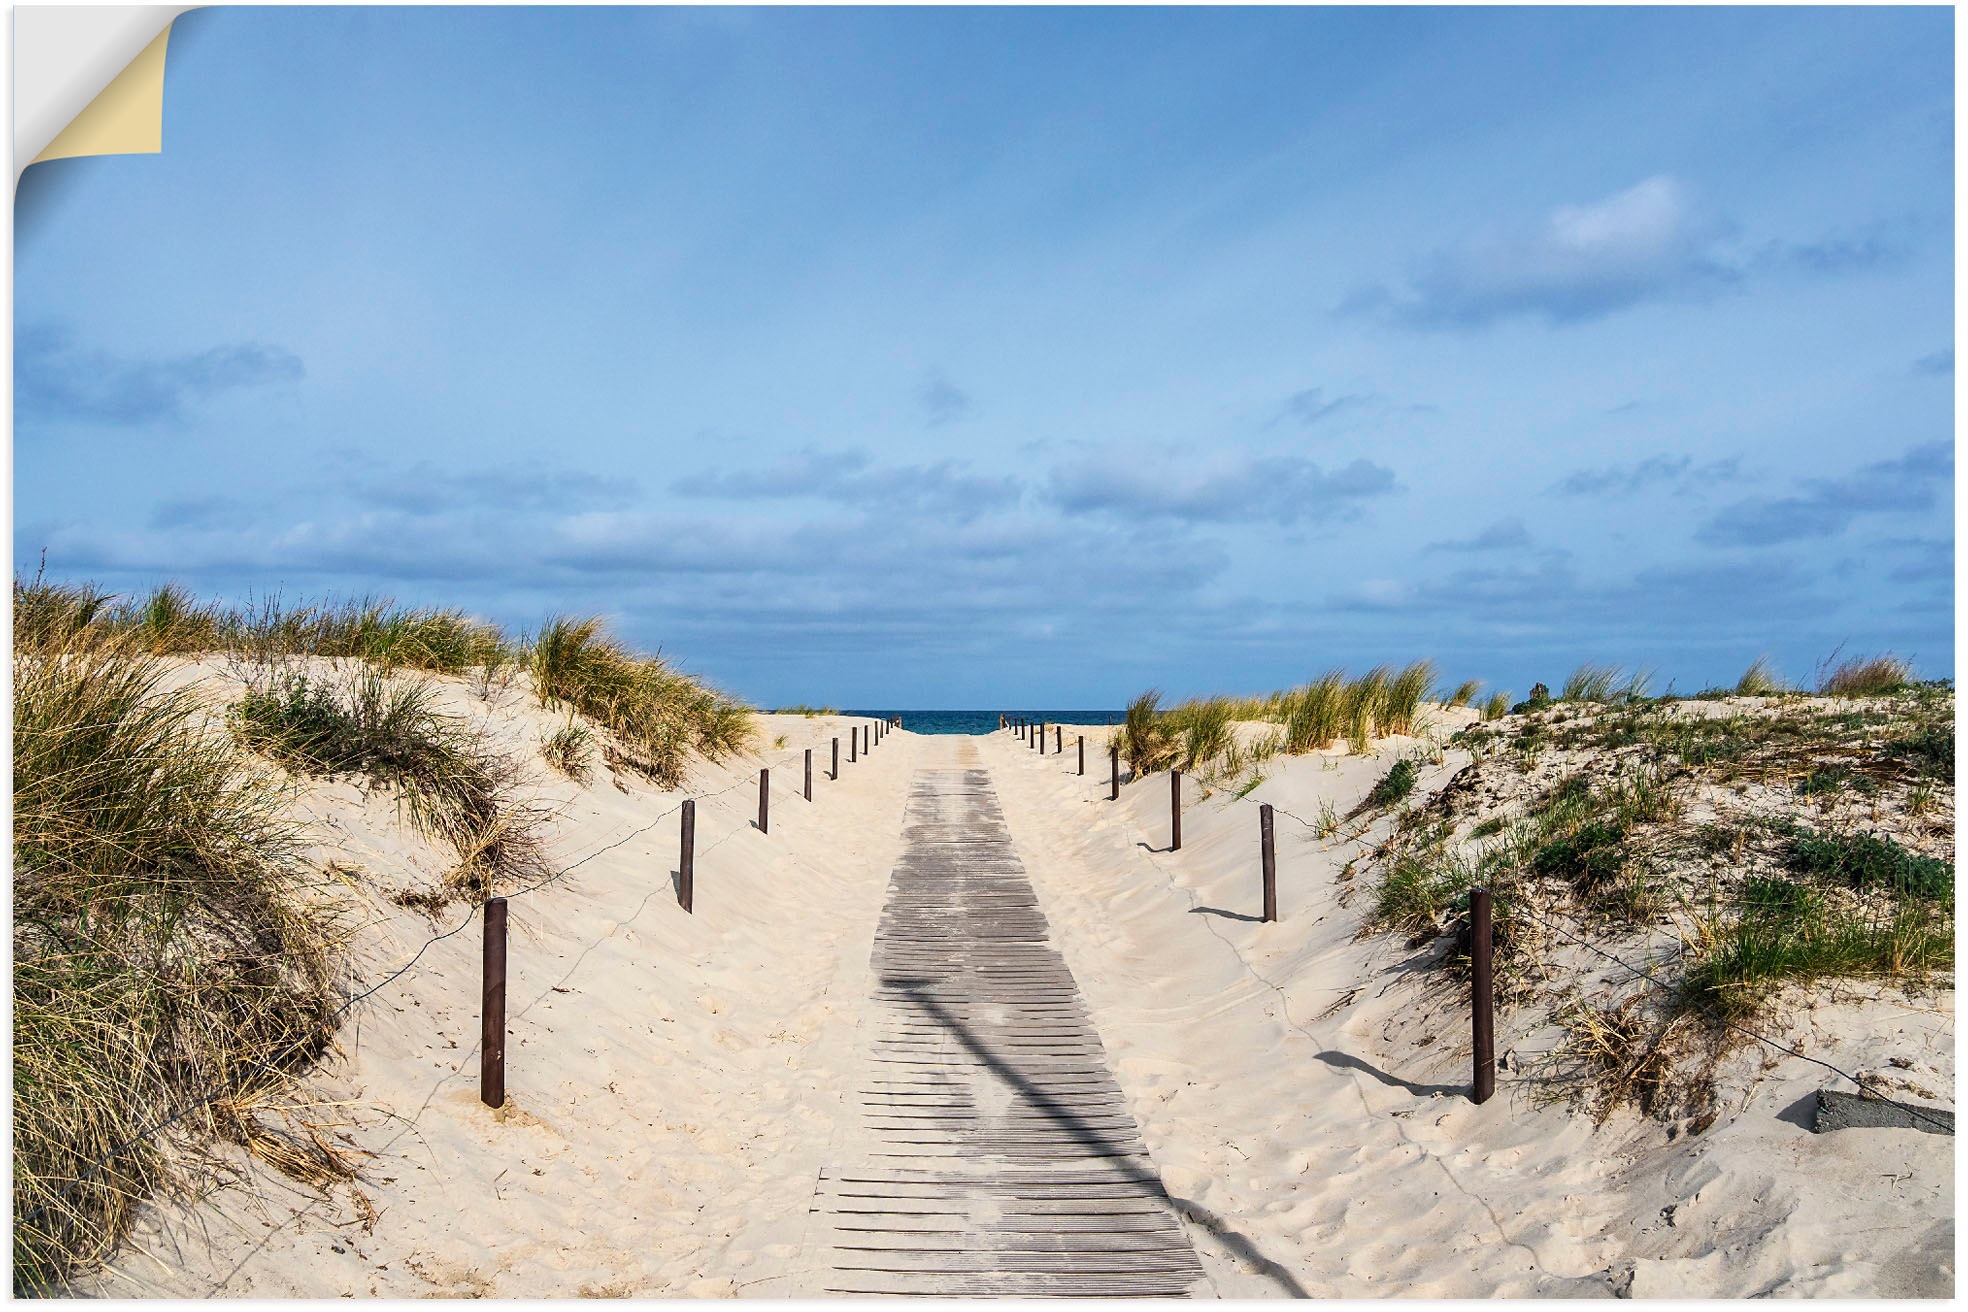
[(677, 1082)]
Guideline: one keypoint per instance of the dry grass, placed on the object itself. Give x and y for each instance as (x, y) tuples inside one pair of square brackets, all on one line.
[(1198, 734), (567, 750), (383, 728), (1866, 676), (174, 957), (660, 715), (165, 945), (1761, 680)]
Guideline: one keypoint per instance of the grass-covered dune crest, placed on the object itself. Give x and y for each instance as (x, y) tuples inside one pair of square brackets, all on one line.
[(179, 926)]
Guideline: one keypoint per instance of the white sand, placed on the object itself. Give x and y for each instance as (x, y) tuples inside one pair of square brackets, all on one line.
[(1302, 1091), (676, 1082)]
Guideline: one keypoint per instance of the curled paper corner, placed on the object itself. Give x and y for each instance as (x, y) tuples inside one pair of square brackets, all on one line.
[(89, 80)]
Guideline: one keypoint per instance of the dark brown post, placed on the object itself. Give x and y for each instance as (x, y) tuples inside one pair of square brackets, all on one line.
[(1482, 994), (687, 858), (765, 797), (1114, 760), (853, 743), (809, 774), (837, 760), (1175, 810), (1058, 740), (1082, 753), (1267, 846), (1040, 744), (492, 1010)]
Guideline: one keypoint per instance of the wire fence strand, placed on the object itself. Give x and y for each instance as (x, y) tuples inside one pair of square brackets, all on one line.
[(335, 1018)]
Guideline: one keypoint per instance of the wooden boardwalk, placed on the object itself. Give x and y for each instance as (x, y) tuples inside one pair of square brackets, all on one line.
[(995, 1152)]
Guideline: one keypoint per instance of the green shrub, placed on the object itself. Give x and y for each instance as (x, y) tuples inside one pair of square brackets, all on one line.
[(1871, 861), (1396, 784), (1931, 747), (1588, 857)]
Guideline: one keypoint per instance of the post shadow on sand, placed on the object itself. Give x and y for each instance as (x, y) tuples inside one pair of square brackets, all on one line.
[(1347, 1061), (1142, 844), (1227, 915), (1094, 1138)]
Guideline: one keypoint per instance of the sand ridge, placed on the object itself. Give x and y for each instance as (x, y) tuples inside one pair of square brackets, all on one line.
[(680, 1085)]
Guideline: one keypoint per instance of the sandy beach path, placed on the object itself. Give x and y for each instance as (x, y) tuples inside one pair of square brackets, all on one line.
[(992, 1151)]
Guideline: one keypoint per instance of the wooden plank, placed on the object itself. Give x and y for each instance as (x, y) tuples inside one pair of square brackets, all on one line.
[(997, 1155)]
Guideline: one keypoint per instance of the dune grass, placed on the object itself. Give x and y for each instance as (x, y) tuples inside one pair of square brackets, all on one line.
[(1394, 786), (174, 956), (1866, 676), (1761, 680), (803, 709), (383, 728), (659, 714), (164, 945), (169, 620), (1783, 931), (567, 750), (1312, 717), (1606, 684)]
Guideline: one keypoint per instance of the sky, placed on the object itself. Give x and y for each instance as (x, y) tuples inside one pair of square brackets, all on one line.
[(1026, 357)]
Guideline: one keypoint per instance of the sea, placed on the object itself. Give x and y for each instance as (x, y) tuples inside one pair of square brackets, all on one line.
[(983, 721)]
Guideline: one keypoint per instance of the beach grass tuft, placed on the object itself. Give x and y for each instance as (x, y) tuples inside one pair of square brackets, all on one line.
[(164, 943), (1866, 676), (384, 729), (660, 715), (1761, 680)]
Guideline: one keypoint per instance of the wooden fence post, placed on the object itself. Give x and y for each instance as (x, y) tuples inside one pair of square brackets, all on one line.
[(492, 1009), (809, 774), (1041, 742), (1175, 810), (687, 857), (853, 743), (1482, 995), (836, 774), (765, 797), (1058, 739), (1114, 762), (1267, 846), (1082, 753)]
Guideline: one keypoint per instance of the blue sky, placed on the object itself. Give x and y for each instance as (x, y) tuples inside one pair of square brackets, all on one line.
[(981, 357)]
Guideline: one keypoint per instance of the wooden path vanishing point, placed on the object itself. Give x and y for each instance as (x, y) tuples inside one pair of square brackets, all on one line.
[(999, 1156)]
